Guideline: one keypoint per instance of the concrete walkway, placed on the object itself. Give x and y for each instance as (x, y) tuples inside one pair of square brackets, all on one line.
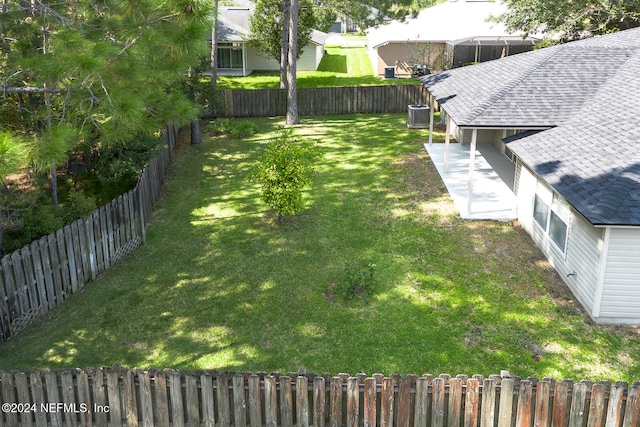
[(492, 180)]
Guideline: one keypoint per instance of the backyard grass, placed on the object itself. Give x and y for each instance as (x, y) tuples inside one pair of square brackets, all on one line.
[(340, 66), (221, 285)]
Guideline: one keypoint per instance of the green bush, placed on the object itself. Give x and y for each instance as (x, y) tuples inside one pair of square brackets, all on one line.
[(233, 128), (359, 281), (284, 170)]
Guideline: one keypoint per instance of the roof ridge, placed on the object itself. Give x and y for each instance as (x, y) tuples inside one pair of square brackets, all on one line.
[(551, 52)]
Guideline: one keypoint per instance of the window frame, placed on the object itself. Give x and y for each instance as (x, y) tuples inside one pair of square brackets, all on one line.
[(556, 211)]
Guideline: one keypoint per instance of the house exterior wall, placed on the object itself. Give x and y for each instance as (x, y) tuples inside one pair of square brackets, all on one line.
[(483, 136), (308, 61), (403, 55), (579, 266), (621, 283)]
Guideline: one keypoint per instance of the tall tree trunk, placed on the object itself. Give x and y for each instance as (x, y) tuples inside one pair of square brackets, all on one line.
[(284, 49), (292, 95), (53, 178), (214, 62)]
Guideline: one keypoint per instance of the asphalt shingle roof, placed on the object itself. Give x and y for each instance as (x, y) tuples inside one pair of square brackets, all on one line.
[(587, 94)]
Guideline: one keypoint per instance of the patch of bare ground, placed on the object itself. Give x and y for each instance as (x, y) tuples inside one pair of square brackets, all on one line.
[(418, 184)]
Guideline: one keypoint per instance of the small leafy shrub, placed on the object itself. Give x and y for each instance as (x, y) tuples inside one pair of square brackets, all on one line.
[(359, 281), (284, 170), (78, 205), (243, 129), (232, 128)]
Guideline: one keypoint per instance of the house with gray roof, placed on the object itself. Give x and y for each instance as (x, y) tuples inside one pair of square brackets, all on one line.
[(568, 119), (237, 57), (447, 35)]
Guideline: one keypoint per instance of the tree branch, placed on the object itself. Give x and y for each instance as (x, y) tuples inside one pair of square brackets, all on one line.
[(32, 89)]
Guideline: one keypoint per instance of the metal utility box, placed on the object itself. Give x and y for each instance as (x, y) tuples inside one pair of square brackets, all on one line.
[(418, 117), (389, 72)]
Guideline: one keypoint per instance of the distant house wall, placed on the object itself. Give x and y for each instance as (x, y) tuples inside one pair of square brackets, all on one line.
[(403, 55), (308, 61), (621, 286), (579, 265)]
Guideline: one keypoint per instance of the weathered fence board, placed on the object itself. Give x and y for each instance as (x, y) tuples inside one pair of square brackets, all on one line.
[(108, 397), (324, 101), (40, 276)]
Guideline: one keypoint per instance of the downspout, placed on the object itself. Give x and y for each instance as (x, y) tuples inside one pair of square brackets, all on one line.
[(472, 165), (446, 144), (431, 107), (597, 300)]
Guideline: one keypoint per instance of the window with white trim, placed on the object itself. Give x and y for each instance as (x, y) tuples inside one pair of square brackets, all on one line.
[(552, 214), (229, 55)]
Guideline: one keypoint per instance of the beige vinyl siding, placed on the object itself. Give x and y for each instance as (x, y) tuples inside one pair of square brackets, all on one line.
[(306, 62), (621, 286), (584, 242)]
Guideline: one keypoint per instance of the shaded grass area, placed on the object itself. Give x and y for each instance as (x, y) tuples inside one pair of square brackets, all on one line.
[(220, 285), (340, 66)]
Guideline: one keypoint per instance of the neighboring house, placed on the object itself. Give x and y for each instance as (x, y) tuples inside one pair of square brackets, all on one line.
[(237, 57), (447, 35), (568, 117)]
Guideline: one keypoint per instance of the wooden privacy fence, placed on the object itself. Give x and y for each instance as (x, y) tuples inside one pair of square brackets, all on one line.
[(122, 397), (38, 277), (324, 101)]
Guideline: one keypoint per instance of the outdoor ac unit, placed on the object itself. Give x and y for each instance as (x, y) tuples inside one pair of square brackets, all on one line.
[(418, 117), (389, 72)]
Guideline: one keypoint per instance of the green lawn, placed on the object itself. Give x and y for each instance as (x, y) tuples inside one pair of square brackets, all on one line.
[(220, 285), (340, 66)]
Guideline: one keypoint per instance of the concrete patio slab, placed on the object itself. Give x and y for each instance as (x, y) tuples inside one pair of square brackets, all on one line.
[(492, 180)]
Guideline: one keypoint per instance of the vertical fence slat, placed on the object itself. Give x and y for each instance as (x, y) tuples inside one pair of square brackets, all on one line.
[(335, 399), (597, 405), (8, 397), (471, 403), (191, 399), (353, 402), (455, 403), (53, 396), (286, 402), (96, 376), (505, 409), (319, 402), (56, 274), (302, 401), (146, 404), (255, 402), (129, 403), (524, 414), (24, 397), (224, 411), (370, 402), (270, 401), (37, 397), (404, 402), (239, 401), (208, 405), (63, 262), (421, 401), (438, 399), (162, 399), (632, 408), (84, 397), (578, 405), (616, 400), (113, 395), (560, 411), (69, 397), (175, 397), (542, 412), (386, 403)]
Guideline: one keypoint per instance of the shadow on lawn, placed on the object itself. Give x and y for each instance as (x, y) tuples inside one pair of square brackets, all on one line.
[(221, 285)]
